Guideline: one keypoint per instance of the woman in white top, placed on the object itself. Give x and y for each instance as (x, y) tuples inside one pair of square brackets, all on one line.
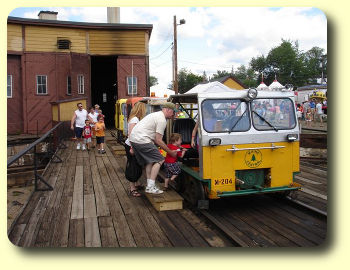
[(136, 114)]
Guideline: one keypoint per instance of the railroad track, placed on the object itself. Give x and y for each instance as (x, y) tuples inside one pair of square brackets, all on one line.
[(264, 221), (268, 221)]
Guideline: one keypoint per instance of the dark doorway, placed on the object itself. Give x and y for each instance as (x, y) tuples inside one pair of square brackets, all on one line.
[(104, 85)]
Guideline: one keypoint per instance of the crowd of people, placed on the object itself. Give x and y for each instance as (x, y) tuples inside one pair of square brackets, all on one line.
[(89, 128), (145, 133), (312, 110)]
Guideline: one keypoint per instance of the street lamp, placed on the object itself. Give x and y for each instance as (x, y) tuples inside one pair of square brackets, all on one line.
[(175, 82)]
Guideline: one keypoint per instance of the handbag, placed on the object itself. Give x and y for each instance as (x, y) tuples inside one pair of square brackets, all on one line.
[(133, 170)]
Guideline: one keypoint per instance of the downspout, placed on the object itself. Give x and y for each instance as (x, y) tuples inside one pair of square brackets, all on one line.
[(24, 83), (148, 88)]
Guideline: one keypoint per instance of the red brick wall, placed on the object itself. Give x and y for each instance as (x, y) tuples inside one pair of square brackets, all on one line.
[(29, 112), (15, 104), (56, 67), (124, 70), (81, 66)]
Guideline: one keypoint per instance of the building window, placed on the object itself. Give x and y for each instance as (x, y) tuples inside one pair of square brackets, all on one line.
[(132, 85), (69, 85), (80, 84), (41, 84), (9, 86)]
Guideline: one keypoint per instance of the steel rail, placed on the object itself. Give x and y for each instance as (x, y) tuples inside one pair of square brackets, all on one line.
[(309, 207)]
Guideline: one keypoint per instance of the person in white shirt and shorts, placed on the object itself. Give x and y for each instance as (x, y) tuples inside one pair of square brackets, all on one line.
[(148, 132), (79, 117)]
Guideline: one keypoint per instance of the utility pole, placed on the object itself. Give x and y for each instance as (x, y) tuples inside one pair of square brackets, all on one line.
[(175, 81)]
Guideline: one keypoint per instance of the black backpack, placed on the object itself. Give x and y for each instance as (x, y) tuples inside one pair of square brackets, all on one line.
[(133, 170)]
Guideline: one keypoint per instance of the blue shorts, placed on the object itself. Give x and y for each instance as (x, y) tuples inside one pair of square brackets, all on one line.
[(78, 132), (100, 139)]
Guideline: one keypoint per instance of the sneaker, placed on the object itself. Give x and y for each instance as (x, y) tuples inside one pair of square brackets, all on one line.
[(103, 151), (83, 147), (153, 190), (78, 146)]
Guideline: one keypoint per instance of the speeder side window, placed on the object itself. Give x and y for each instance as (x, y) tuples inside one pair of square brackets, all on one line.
[(228, 115)]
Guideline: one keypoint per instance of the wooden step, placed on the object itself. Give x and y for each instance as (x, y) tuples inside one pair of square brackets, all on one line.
[(168, 200), (118, 149)]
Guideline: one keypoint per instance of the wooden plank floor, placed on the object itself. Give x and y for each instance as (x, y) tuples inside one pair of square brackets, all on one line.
[(90, 207), (314, 182)]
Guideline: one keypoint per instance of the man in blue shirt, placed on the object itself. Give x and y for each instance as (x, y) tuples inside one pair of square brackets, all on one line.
[(313, 108)]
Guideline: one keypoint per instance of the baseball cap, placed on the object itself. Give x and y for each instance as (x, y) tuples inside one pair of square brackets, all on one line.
[(170, 105)]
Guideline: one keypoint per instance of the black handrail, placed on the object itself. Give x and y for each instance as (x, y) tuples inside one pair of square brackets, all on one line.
[(33, 145)]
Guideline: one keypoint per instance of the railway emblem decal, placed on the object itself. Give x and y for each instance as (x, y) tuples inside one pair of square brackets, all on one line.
[(253, 158)]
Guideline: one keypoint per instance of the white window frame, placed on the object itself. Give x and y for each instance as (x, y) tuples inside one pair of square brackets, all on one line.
[(81, 88), (9, 76), (134, 92), (37, 85), (69, 77)]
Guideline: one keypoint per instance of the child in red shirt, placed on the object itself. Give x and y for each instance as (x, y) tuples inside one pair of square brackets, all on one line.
[(171, 165), (87, 133)]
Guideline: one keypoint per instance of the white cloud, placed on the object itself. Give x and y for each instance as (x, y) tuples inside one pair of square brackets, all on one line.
[(96, 14), (214, 38), (83, 14), (230, 36)]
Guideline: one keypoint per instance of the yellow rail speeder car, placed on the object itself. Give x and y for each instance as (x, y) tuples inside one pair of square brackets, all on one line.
[(247, 142)]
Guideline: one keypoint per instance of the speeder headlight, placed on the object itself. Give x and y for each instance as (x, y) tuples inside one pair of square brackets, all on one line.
[(252, 93), (292, 137), (214, 141)]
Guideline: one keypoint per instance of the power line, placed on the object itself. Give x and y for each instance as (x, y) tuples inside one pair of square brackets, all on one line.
[(161, 64), (204, 64), (164, 40), (162, 52)]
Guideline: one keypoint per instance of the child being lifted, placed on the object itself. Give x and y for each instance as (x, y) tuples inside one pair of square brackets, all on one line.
[(171, 165)]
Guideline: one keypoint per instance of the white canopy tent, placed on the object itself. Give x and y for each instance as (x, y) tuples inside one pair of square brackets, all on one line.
[(275, 86), (262, 86), (212, 87)]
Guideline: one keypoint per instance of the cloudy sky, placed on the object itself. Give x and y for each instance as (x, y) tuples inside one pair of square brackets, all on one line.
[(213, 38)]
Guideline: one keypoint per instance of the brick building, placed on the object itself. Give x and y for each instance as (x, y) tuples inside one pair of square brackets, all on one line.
[(52, 65)]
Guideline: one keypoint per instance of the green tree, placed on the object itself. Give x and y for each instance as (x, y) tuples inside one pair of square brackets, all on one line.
[(258, 64), (285, 62), (219, 74), (246, 75), (188, 80), (316, 63), (152, 81)]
